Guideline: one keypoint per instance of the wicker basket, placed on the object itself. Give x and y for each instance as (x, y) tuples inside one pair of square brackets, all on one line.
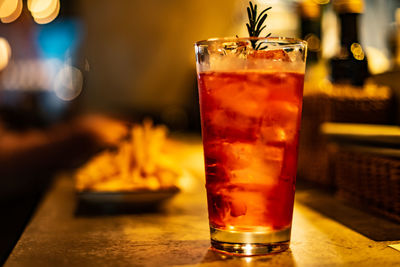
[(370, 180), (372, 104), (336, 103)]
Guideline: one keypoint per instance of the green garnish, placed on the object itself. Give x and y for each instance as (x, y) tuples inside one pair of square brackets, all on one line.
[(255, 25)]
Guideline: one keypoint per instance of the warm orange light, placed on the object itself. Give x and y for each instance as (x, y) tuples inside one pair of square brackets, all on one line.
[(7, 7), (322, 2), (5, 53), (14, 15), (47, 15), (357, 51), (43, 9), (40, 5)]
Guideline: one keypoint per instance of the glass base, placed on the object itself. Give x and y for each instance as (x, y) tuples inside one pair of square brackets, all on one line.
[(249, 243)]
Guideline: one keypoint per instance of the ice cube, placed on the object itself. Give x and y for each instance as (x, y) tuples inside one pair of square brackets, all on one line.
[(234, 127), (294, 55), (235, 48), (252, 163), (286, 86), (226, 48), (248, 206), (241, 94), (279, 123), (273, 134), (227, 56), (238, 207), (273, 54)]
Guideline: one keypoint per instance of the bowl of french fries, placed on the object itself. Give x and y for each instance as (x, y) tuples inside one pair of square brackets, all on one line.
[(138, 170)]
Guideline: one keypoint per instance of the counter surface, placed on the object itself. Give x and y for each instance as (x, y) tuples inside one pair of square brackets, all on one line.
[(178, 235)]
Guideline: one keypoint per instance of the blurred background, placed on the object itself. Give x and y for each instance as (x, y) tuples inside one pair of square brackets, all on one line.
[(74, 73), (132, 59)]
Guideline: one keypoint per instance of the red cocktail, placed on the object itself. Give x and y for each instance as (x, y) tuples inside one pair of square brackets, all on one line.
[(250, 104)]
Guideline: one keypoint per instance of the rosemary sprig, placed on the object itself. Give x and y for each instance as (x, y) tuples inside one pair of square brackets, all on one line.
[(255, 25)]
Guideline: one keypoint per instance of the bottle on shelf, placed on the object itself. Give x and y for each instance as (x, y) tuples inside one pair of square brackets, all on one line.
[(310, 26), (350, 65)]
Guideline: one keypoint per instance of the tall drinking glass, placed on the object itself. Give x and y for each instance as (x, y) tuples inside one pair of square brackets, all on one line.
[(250, 102)]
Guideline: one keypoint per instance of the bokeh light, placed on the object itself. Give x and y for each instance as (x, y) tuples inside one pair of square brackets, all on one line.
[(314, 43), (377, 60), (310, 9), (38, 6), (13, 16), (7, 7), (5, 53), (357, 51), (30, 74), (322, 2), (44, 11), (43, 8), (68, 83)]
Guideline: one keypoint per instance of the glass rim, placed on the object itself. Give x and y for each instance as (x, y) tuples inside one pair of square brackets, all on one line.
[(283, 40)]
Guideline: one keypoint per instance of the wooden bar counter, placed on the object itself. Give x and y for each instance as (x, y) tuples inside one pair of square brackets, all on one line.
[(178, 235)]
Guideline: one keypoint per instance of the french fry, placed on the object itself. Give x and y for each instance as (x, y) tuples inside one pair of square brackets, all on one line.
[(138, 163)]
